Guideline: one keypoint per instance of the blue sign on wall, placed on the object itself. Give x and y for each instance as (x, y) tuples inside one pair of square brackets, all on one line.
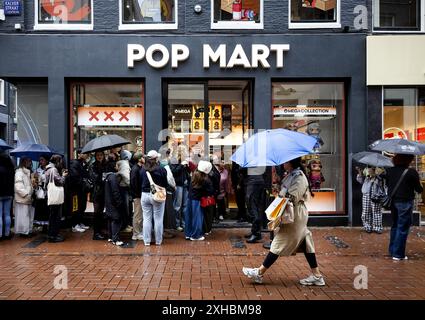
[(12, 7)]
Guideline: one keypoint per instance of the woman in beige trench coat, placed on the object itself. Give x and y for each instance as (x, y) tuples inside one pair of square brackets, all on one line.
[(294, 237)]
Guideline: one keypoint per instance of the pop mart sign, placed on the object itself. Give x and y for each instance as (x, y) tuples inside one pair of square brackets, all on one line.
[(158, 55)]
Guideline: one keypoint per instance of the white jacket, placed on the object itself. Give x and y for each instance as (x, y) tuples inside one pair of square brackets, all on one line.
[(23, 186)]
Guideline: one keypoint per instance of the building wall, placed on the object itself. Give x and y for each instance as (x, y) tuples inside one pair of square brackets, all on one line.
[(106, 18)]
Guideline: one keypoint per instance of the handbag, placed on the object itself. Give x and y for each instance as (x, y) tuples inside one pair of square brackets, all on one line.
[(207, 201), (159, 194), (55, 194), (40, 193), (378, 192), (387, 201)]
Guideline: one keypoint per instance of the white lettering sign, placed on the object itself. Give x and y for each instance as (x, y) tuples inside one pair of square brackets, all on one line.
[(259, 55)]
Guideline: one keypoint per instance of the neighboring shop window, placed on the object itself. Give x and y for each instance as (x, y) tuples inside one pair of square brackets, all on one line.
[(103, 108), (314, 14), (64, 15), (237, 14), (147, 14), (32, 113), (404, 117), (397, 15), (317, 109)]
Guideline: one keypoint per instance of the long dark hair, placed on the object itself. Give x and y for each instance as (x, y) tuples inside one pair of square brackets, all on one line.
[(151, 164), (56, 159), (198, 179), (297, 163)]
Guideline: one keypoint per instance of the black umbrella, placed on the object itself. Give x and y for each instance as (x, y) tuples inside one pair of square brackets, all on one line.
[(104, 142), (399, 146), (373, 159), (4, 145)]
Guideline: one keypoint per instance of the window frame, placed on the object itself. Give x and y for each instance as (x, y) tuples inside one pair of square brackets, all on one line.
[(315, 25), (2, 92), (148, 26), (63, 26), (240, 25), (375, 4)]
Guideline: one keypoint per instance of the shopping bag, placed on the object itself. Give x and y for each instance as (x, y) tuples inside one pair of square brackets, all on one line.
[(275, 208)]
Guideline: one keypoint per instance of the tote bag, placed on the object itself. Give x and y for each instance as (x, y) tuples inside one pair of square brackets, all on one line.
[(55, 194), (159, 194)]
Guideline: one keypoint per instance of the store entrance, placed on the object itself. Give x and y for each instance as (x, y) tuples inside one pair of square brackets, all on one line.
[(207, 120)]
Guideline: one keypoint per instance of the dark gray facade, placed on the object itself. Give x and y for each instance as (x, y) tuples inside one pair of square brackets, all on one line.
[(58, 58)]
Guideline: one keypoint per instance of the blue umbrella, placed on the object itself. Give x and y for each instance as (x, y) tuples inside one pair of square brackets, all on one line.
[(33, 151), (4, 145), (272, 148)]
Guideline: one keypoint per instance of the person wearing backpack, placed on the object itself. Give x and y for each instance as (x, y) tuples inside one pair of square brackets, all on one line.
[(372, 183), (153, 174)]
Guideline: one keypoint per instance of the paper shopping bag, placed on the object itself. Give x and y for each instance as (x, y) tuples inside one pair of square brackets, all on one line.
[(276, 208)]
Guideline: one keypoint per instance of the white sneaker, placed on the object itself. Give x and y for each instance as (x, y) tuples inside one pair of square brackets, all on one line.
[(197, 239), (78, 229), (179, 229), (253, 273), (400, 259), (221, 218), (118, 243), (137, 237), (83, 226), (313, 281), (109, 240)]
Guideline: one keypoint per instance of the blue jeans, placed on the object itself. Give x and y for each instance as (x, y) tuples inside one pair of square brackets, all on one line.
[(401, 212), (179, 204), (152, 210), (194, 219), (5, 207)]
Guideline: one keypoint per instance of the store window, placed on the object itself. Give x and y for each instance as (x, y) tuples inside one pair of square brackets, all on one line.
[(237, 14), (314, 14), (107, 108), (32, 112), (148, 14), (63, 15), (404, 117), (403, 15), (317, 109)]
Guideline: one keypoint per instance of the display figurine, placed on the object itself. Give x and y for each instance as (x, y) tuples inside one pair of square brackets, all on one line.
[(315, 175), (313, 130)]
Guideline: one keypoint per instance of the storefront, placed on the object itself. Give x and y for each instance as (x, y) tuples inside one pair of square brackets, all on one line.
[(206, 92), (397, 94)]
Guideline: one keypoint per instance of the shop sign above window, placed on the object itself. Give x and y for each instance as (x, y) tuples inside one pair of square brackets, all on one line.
[(12, 7), (64, 15), (110, 116), (306, 14), (237, 14), (304, 111), (148, 14)]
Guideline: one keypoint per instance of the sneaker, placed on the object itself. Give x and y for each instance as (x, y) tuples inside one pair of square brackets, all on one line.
[(187, 238), (313, 281), (147, 244), (118, 243), (253, 273), (83, 226), (220, 218), (137, 237), (197, 239), (109, 240), (128, 229), (400, 259), (78, 229), (180, 229)]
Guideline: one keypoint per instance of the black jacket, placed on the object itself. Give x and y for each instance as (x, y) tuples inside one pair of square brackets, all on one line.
[(77, 172), (206, 190), (7, 174), (181, 174), (113, 199), (215, 177), (407, 188), (237, 175), (135, 184), (159, 177), (96, 174)]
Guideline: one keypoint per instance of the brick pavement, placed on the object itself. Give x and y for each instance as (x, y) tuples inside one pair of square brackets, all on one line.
[(183, 270)]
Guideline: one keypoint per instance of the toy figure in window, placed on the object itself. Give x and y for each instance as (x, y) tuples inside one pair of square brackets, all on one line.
[(313, 129), (315, 176), (309, 3)]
